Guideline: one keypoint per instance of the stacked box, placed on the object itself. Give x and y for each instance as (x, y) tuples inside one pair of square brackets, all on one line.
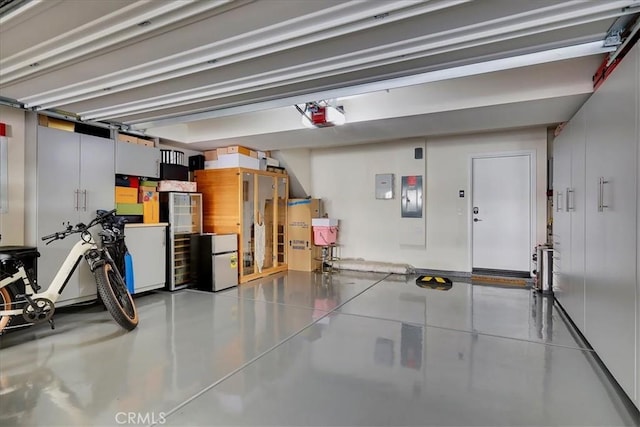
[(150, 184), (56, 123), (237, 160), (129, 209), (146, 142), (185, 186), (126, 195), (233, 149), (127, 138), (151, 211), (147, 194), (302, 254), (135, 140), (272, 162), (210, 155)]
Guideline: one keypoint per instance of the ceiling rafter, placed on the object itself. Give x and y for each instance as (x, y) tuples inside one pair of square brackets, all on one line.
[(135, 62), (447, 41), (332, 22)]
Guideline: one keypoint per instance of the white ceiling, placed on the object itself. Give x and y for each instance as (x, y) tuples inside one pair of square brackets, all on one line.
[(183, 70)]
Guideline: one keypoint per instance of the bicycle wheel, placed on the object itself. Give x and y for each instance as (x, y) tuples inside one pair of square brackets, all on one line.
[(6, 303), (115, 296)]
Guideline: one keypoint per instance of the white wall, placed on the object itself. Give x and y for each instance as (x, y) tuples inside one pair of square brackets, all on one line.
[(12, 223), (372, 229), (298, 162), (448, 172)]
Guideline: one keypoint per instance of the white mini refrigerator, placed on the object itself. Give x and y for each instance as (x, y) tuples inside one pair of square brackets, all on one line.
[(217, 262)]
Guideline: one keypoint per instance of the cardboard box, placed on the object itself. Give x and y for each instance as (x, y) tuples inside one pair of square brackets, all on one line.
[(127, 138), (253, 154), (210, 155), (56, 123), (221, 151), (151, 212), (146, 142), (129, 209), (211, 164), (302, 254), (237, 161), (183, 186), (238, 149), (126, 195), (153, 184), (147, 194)]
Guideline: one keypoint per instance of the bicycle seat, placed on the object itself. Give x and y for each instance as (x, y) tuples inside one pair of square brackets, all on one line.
[(8, 253)]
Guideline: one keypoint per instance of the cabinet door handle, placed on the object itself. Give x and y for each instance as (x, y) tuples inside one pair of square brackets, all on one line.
[(558, 196), (601, 183), (76, 199), (570, 200), (84, 206)]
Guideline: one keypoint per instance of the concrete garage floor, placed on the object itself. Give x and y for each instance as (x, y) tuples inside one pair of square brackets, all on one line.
[(305, 349)]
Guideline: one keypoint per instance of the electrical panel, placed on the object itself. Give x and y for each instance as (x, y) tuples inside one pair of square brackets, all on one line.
[(411, 204)]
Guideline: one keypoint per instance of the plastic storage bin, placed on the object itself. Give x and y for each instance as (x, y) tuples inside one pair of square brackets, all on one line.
[(325, 231), (325, 236)]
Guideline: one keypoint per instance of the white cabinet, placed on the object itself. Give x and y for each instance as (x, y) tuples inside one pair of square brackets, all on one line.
[(137, 160), (147, 246), (611, 229), (575, 208), (598, 270), (569, 217), (69, 177), (561, 218)]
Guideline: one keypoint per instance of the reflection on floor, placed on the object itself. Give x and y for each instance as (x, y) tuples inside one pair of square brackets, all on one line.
[(306, 349)]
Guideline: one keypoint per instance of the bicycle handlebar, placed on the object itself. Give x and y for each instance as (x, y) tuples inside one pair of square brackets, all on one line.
[(50, 236), (80, 227)]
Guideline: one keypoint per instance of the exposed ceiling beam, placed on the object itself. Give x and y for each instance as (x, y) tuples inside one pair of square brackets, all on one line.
[(339, 20), (448, 73)]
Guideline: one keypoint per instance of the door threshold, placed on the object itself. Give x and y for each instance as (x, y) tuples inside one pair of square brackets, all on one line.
[(500, 273)]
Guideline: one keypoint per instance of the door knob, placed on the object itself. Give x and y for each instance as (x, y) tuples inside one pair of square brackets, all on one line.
[(476, 220)]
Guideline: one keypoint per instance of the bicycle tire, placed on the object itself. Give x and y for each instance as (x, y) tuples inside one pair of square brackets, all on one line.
[(115, 296), (6, 303)]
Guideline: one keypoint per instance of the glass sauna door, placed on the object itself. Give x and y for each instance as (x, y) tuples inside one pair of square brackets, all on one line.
[(264, 225), (247, 238), (281, 227)]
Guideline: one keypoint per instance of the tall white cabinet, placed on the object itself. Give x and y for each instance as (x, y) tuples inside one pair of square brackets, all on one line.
[(569, 218), (596, 222), (69, 177)]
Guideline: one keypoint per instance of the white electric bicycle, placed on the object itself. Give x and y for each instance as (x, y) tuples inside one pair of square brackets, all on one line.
[(20, 294)]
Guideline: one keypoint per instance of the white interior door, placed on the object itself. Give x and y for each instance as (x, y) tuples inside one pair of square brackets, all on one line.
[(501, 212)]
